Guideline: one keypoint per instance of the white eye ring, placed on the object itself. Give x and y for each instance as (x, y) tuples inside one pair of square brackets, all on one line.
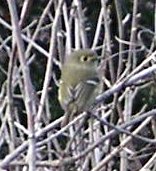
[(84, 58)]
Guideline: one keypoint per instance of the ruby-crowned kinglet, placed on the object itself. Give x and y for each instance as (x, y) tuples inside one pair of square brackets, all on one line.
[(79, 83)]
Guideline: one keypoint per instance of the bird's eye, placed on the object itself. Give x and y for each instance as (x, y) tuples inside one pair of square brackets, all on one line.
[(84, 58)]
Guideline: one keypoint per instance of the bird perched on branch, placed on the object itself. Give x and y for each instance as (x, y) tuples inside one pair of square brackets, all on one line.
[(79, 84)]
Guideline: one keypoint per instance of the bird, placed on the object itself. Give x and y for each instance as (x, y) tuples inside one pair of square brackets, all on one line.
[(79, 83)]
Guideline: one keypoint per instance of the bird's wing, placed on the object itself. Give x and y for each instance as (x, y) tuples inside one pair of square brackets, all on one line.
[(79, 98), (85, 92)]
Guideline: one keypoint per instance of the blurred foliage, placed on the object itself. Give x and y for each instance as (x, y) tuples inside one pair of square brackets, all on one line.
[(146, 95)]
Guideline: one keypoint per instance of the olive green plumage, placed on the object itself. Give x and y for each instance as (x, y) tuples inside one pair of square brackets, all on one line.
[(79, 83)]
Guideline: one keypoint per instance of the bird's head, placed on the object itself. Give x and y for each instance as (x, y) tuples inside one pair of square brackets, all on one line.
[(84, 57)]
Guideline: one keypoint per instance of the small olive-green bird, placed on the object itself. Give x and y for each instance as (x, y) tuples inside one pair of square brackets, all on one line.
[(79, 84)]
